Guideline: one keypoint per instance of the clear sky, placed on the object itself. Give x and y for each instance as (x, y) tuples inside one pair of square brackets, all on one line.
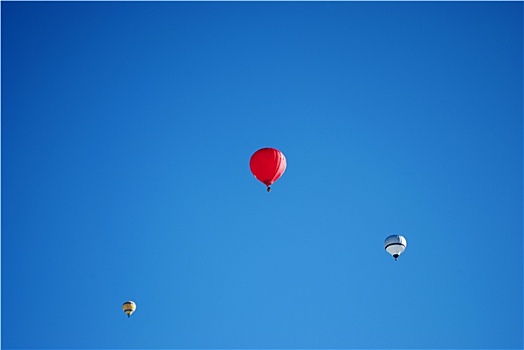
[(127, 129)]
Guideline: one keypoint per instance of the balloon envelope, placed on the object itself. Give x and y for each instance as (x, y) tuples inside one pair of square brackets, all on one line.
[(268, 165), (129, 307), (395, 245)]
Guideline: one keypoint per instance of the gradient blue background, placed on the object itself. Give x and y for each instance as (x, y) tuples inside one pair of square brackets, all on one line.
[(127, 129)]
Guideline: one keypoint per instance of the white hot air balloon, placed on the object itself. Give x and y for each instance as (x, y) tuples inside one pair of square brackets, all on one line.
[(395, 245), (129, 307)]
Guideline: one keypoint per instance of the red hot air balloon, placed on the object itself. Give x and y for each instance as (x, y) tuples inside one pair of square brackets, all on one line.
[(268, 165)]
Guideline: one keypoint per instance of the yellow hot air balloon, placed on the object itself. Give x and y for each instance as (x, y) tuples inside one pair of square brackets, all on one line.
[(129, 307)]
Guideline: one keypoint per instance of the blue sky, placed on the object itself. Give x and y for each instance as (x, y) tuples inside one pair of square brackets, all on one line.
[(127, 129)]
